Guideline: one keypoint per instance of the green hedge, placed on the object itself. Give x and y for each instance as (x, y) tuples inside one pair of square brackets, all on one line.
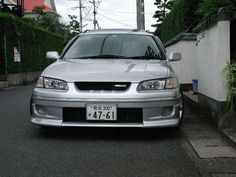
[(182, 18), (32, 41)]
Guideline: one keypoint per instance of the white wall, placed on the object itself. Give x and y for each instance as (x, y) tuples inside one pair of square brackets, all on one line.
[(186, 68), (213, 52)]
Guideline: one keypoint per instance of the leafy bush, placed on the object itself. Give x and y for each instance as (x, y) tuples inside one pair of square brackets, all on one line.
[(32, 41)]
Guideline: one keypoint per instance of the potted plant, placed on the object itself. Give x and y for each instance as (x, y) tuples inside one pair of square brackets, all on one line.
[(231, 80), (229, 119)]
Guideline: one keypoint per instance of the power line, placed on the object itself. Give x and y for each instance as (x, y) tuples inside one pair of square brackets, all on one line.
[(87, 14), (108, 18), (70, 8), (123, 12), (99, 3)]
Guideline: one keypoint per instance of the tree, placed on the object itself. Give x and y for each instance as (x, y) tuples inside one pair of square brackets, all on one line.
[(182, 18), (50, 22), (191, 18), (211, 7), (163, 7), (74, 25)]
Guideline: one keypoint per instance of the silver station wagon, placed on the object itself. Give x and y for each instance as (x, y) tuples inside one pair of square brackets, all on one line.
[(109, 78)]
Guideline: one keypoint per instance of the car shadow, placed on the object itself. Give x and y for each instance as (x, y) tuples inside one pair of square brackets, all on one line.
[(106, 133)]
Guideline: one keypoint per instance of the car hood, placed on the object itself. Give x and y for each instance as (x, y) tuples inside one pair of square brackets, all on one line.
[(107, 70)]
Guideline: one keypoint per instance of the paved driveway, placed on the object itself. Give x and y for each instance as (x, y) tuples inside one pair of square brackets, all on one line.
[(27, 150)]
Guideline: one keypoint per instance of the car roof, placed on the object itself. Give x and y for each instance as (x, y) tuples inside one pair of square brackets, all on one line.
[(116, 31)]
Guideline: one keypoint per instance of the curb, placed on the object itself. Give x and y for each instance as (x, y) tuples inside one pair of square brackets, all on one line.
[(228, 136)]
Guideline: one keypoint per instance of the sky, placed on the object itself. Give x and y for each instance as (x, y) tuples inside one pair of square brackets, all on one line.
[(110, 13)]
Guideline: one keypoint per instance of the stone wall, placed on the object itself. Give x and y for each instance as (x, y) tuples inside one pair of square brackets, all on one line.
[(22, 78)]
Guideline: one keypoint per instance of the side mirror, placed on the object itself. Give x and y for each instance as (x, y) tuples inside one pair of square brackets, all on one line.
[(52, 55), (175, 56)]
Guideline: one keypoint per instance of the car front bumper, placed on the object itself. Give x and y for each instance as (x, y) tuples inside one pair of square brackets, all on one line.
[(54, 102)]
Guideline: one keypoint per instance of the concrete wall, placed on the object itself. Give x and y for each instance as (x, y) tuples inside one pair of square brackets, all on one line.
[(186, 68), (22, 78), (213, 52), (204, 59)]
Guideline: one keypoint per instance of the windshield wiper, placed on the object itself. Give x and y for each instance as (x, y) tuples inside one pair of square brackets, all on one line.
[(118, 57), (146, 57), (103, 56)]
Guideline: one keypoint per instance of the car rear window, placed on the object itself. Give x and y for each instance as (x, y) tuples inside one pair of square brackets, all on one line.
[(114, 46)]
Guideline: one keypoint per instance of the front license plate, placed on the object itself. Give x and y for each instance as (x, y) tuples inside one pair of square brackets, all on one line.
[(101, 112)]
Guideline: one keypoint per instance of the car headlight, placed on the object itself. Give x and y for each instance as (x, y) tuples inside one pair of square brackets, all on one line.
[(158, 84), (49, 83)]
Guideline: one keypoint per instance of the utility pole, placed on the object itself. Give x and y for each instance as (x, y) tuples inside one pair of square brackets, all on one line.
[(94, 14), (95, 22), (140, 14), (80, 16)]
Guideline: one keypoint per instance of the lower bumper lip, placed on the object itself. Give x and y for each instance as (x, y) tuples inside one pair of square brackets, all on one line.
[(60, 123), (103, 100)]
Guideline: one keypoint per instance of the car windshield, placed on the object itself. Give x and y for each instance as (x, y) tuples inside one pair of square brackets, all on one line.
[(112, 46)]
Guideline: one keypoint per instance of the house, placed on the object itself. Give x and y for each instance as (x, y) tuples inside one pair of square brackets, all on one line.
[(29, 5), (48, 5)]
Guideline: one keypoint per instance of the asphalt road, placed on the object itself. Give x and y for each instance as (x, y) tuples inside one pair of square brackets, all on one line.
[(27, 150)]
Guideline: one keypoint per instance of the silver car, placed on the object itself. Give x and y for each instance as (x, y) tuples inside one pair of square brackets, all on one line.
[(109, 78)]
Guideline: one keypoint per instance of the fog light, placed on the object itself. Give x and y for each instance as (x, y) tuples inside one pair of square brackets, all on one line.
[(40, 110), (167, 110)]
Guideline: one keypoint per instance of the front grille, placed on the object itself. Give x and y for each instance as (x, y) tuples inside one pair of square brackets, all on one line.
[(124, 115), (103, 86)]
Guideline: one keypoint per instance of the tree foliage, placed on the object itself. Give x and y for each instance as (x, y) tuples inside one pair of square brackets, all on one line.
[(173, 23), (50, 22), (191, 18), (182, 18), (185, 15), (210, 7), (163, 7), (74, 25)]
